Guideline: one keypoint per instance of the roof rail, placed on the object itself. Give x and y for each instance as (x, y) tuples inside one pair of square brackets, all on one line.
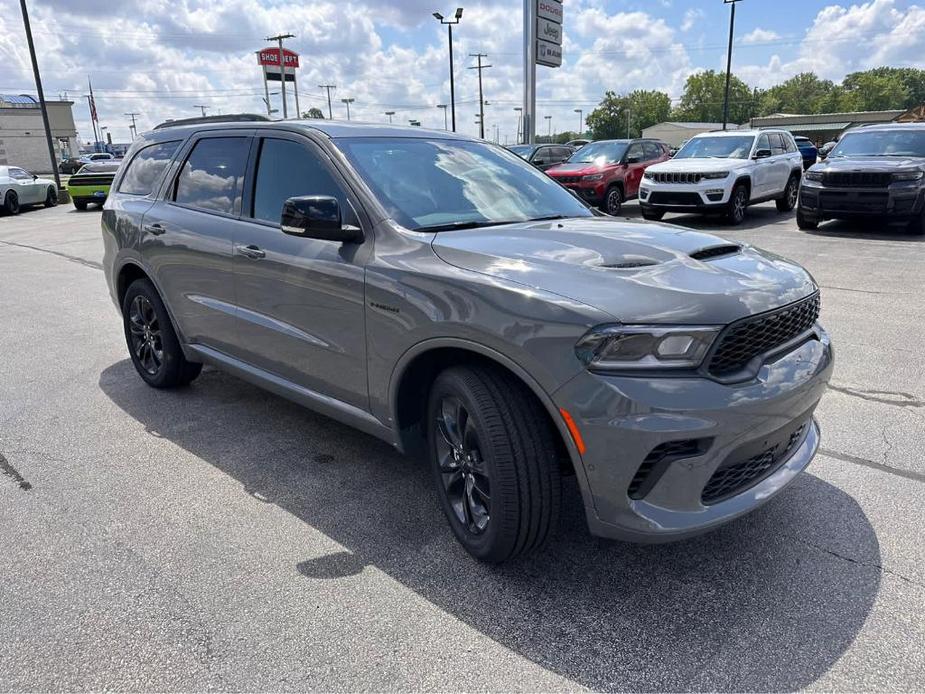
[(228, 118)]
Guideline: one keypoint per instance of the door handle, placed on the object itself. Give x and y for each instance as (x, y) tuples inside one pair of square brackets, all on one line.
[(155, 229), (251, 252)]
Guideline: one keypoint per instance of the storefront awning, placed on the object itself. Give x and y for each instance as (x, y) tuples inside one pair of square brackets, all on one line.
[(813, 127)]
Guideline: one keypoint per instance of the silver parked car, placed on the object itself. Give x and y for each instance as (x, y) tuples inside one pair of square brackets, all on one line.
[(18, 187), (440, 293)]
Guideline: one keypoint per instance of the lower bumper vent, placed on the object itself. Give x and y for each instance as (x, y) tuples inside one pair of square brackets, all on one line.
[(658, 460)]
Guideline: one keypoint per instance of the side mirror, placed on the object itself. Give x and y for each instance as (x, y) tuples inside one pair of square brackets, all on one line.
[(34, 177), (317, 217), (762, 154), (539, 162), (633, 160)]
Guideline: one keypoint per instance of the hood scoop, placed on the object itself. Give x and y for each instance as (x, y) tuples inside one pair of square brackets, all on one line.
[(630, 262), (712, 252)]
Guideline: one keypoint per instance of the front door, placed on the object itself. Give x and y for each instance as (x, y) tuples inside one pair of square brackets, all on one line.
[(635, 166), (301, 301), (28, 190)]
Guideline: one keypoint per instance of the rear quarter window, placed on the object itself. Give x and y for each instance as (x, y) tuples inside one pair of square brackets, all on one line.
[(146, 167)]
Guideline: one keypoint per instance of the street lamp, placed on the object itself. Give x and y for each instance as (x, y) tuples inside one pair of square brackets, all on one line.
[(549, 124), (348, 102), (520, 119), (450, 23), (390, 114), (732, 25), (581, 121), (443, 106)]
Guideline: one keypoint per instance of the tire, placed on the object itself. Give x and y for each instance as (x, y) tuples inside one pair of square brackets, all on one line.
[(613, 201), (505, 449), (11, 202), (80, 203), (653, 215), (51, 197), (738, 204), (806, 223), (151, 340), (791, 195)]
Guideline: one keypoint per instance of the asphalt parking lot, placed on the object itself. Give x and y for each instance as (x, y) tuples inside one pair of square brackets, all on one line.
[(222, 538)]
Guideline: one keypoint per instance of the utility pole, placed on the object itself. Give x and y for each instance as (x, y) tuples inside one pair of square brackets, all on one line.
[(202, 108), (282, 67), (348, 102), (450, 23), (390, 114), (480, 67), (134, 129), (628, 115), (732, 26), (520, 121), (444, 106), (38, 87), (581, 121), (549, 125), (329, 87)]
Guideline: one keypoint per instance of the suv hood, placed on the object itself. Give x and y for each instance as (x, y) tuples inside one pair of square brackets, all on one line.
[(870, 164), (698, 165), (637, 272), (579, 168)]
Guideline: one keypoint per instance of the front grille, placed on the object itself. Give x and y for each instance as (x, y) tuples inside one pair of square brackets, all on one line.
[(666, 198), (730, 480), (102, 180), (857, 178), (568, 179), (658, 460), (683, 178), (855, 201), (751, 337)]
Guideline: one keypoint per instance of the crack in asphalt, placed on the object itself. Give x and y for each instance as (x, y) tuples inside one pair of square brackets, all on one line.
[(844, 457), (73, 258), (7, 469), (858, 562), (885, 397)]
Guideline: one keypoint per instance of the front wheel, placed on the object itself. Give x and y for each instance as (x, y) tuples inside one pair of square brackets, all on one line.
[(11, 203), (738, 202), (494, 462), (613, 201), (80, 204), (51, 197), (806, 223), (653, 215), (791, 193), (152, 341)]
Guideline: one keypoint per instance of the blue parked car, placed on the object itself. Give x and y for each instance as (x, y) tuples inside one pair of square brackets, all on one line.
[(808, 150)]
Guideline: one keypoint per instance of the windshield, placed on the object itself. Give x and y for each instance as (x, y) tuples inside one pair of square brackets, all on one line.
[(599, 153), (431, 184), (881, 143), (719, 147), (521, 150)]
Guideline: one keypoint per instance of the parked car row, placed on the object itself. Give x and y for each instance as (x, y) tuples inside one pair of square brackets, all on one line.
[(18, 187), (73, 164)]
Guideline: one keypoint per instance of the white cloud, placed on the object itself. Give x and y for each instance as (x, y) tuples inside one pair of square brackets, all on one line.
[(691, 17), (760, 35)]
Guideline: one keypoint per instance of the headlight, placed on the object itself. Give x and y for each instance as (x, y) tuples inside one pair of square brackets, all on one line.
[(649, 175), (592, 177), (908, 176), (715, 175), (626, 347), (813, 176)]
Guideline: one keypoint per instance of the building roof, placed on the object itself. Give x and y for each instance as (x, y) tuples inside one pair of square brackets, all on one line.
[(692, 125), (827, 118), (18, 99)]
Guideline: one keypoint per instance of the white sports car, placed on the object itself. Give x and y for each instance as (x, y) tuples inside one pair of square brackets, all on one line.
[(18, 187)]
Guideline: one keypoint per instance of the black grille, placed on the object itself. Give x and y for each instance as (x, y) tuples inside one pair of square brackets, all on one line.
[(568, 179), (99, 180), (734, 479), (675, 177), (854, 201), (715, 251), (658, 460), (750, 337), (665, 198), (857, 178)]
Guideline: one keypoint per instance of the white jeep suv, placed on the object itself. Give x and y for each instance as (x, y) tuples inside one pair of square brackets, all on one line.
[(725, 172)]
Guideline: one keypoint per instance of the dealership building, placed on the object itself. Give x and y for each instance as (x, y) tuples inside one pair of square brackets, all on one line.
[(676, 133), (825, 127), (22, 133)]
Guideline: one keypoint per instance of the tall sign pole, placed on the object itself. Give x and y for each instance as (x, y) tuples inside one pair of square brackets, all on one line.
[(732, 27), (529, 114), (542, 46), (282, 66)]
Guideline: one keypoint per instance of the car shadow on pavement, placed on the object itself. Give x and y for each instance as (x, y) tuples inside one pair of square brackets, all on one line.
[(768, 603)]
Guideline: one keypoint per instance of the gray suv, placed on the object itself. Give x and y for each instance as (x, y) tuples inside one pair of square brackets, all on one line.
[(440, 293)]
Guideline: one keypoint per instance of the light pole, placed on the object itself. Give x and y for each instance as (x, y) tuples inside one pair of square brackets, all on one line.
[(443, 106), (549, 127), (581, 121), (520, 120), (732, 26), (348, 102), (390, 114), (450, 23)]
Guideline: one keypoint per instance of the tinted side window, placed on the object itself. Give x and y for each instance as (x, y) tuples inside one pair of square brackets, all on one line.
[(19, 174), (789, 143), (777, 145), (653, 151), (287, 169), (636, 151), (763, 143), (212, 177), (146, 168)]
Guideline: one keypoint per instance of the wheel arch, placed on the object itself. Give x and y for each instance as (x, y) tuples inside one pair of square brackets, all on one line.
[(129, 272)]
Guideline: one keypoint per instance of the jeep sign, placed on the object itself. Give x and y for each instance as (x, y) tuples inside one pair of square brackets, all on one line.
[(549, 31)]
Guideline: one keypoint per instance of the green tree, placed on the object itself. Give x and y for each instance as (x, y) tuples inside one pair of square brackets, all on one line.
[(803, 93), (884, 88), (627, 115), (702, 100), (314, 112)]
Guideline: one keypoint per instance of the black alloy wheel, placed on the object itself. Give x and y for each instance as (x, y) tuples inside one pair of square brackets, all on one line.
[(11, 203), (145, 330), (737, 204), (51, 197), (791, 195), (613, 202)]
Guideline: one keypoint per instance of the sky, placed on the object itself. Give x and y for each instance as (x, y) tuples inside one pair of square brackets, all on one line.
[(162, 58)]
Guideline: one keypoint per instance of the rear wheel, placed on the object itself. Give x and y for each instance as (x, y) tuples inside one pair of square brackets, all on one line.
[(152, 341), (738, 203), (80, 203), (613, 201), (11, 203), (51, 197), (791, 194), (652, 215), (805, 222), (494, 462)]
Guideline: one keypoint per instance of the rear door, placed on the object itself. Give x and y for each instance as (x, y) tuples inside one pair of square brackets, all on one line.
[(780, 158), (301, 300), (635, 166), (187, 236), (763, 172)]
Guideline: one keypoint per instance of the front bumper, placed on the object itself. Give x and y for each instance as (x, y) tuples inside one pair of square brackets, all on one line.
[(590, 191), (704, 196), (624, 420), (898, 201)]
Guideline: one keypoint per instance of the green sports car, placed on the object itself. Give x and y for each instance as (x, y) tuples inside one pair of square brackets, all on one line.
[(91, 183)]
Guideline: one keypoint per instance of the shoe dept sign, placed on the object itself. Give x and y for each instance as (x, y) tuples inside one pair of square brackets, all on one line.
[(549, 33)]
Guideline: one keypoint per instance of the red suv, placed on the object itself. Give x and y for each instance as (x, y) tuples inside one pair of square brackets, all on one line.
[(607, 172)]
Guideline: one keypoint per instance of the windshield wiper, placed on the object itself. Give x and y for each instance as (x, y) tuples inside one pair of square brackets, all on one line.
[(454, 226), (549, 218)]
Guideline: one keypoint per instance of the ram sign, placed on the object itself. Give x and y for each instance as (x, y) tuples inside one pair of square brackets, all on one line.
[(549, 33)]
